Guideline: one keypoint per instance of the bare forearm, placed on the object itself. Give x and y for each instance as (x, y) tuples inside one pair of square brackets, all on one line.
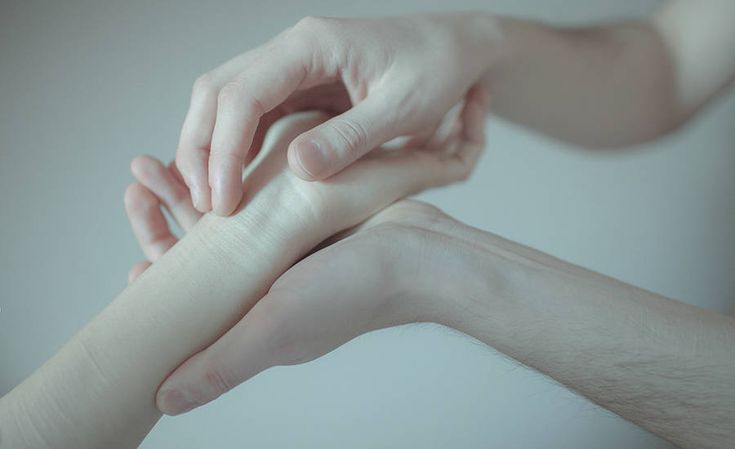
[(600, 86), (613, 84), (662, 364), (99, 390)]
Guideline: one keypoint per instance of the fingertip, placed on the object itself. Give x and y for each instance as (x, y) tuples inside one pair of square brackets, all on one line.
[(294, 162), (138, 196), (174, 402), (308, 159), (192, 166), (224, 202), (140, 164), (200, 199), (226, 185)]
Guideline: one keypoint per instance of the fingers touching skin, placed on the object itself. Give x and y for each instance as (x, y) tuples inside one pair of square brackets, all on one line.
[(226, 108), (161, 186), (378, 70), (323, 291)]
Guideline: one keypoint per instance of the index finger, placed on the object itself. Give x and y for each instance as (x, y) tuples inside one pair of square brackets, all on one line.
[(279, 70)]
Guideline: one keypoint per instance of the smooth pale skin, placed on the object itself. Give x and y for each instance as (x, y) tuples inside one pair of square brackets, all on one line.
[(99, 389), (662, 364), (605, 85)]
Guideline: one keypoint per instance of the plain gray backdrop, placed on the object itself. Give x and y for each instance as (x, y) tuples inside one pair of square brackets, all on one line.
[(87, 85)]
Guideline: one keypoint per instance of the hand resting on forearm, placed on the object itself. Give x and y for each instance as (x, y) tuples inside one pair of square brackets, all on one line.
[(99, 389)]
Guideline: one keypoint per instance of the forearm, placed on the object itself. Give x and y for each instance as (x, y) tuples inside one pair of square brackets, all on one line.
[(662, 364), (600, 86), (99, 389)]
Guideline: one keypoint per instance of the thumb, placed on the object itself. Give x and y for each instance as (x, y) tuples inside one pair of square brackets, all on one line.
[(336, 143), (239, 354)]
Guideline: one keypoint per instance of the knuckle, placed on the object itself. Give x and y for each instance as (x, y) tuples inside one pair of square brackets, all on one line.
[(419, 209), (225, 156), (230, 92), (204, 85), (318, 29), (311, 23), (353, 134), (180, 196), (256, 106), (219, 379), (189, 157)]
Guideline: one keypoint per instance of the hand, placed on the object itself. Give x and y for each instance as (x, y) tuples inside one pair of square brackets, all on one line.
[(383, 78), (364, 280), (285, 216), (389, 174)]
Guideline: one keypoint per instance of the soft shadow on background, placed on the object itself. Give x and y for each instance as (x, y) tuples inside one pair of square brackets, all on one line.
[(86, 85)]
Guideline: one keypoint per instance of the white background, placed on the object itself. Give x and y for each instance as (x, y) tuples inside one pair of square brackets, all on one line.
[(87, 85)]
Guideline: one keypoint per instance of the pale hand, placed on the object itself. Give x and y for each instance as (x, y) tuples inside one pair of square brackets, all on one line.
[(381, 78), (388, 174)]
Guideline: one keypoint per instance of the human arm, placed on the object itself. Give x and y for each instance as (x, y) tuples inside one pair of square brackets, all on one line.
[(664, 365), (99, 389), (603, 85), (615, 84)]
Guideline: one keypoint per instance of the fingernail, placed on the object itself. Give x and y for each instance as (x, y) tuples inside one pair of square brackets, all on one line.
[(312, 158), (174, 402), (196, 199), (215, 193)]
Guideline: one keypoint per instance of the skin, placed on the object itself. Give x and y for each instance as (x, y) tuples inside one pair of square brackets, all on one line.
[(662, 75), (233, 105), (604, 86), (662, 364), (608, 85), (99, 390)]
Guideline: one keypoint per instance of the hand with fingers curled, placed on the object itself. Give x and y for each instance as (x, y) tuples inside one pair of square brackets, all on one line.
[(306, 313), (378, 79)]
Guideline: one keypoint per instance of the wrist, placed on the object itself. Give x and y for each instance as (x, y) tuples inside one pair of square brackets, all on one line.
[(276, 221), (447, 272), (463, 279)]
